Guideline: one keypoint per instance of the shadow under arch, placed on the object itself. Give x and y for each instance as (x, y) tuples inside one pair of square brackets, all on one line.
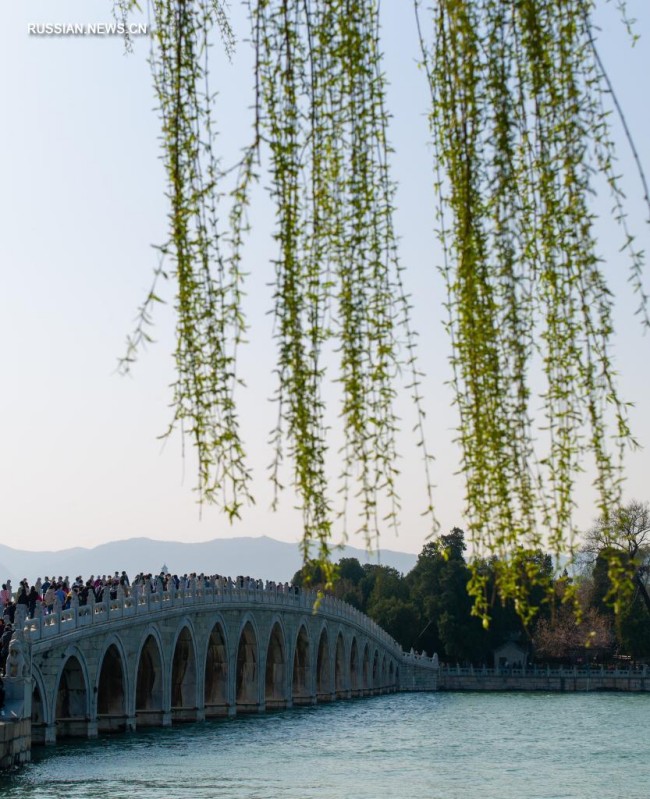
[(149, 685), (384, 675), (323, 676), (366, 676), (340, 676), (247, 671), (275, 677), (354, 668), (39, 719), (183, 685), (216, 674), (375, 671), (300, 682), (111, 692), (71, 712)]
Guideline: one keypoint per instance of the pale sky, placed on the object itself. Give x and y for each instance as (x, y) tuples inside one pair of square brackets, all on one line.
[(82, 204)]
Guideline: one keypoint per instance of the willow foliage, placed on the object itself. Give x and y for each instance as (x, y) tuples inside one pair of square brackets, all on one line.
[(519, 126)]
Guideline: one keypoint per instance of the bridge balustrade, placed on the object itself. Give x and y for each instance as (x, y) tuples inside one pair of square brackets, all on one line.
[(140, 600)]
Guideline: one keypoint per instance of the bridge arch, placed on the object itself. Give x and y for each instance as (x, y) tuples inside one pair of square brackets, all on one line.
[(247, 667), (215, 683), (150, 680), (112, 688), (72, 696), (323, 670), (375, 671), (340, 675), (301, 678), (354, 667), (184, 701), (275, 671), (367, 676), (41, 715)]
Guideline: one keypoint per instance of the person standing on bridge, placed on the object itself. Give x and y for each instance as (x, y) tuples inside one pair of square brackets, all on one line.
[(32, 598), (60, 594), (4, 645), (48, 598), (21, 598)]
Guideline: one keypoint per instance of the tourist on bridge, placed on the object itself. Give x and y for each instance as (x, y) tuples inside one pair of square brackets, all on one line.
[(21, 597), (32, 598), (4, 644), (49, 597), (60, 594)]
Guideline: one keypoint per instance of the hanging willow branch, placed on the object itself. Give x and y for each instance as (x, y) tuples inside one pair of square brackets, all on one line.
[(337, 275), (208, 302), (519, 126)]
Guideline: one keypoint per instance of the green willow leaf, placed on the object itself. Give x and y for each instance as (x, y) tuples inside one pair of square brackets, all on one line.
[(520, 126)]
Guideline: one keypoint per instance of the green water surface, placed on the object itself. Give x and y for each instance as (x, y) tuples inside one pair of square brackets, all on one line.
[(447, 745)]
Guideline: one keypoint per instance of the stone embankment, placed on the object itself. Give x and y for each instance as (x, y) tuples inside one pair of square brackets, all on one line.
[(454, 678), (15, 743), (15, 728)]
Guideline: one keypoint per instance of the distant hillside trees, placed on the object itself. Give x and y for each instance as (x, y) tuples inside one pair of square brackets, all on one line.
[(584, 617)]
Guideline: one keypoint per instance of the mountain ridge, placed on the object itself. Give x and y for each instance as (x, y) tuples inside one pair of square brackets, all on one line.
[(260, 557)]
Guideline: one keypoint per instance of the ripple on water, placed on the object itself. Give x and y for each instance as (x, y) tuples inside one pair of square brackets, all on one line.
[(451, 746)]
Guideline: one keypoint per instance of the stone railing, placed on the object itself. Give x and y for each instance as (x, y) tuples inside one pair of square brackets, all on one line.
[(544, 671), (421, 659), (140, 601)]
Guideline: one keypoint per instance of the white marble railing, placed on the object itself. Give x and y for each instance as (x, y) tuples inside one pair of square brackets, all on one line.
[(545, 671), (421, 659), (140, 601)]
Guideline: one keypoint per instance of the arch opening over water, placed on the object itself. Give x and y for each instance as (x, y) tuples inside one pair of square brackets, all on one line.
[(323, 678), (354, 668), (72, 713), (183, 686), (340, 676), (216, 674), (367, 680), (38, 715), (149, 685), (111, 694), (275, 678), (247, 688), (301, 676)]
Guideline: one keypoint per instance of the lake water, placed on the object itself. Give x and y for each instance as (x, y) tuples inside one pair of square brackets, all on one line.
[(447, 745)]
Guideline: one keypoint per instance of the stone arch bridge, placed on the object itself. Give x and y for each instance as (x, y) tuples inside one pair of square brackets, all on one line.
[(156, 658)]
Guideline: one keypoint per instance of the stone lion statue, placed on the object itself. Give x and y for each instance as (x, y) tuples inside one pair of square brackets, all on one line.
[(16, 665)]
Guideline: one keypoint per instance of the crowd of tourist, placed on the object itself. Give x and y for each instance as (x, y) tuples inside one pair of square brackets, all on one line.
[(54, 593)]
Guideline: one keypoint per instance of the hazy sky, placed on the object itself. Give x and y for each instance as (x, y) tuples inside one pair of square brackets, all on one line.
[(82, 204)]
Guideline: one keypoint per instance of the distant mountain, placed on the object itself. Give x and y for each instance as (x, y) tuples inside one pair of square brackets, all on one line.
[(263, 558)]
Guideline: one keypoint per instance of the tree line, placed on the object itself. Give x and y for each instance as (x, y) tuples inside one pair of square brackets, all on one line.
[(594, 609)]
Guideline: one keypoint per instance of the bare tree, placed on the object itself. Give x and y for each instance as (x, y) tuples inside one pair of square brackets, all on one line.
[(623, 540), (564, 638)]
